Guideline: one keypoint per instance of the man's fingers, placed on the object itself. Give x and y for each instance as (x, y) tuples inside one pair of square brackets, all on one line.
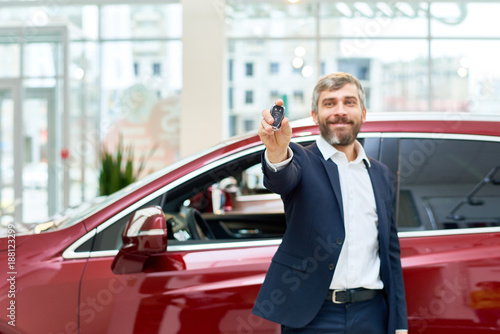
[(285, 125), (265, 127), (266, 115)]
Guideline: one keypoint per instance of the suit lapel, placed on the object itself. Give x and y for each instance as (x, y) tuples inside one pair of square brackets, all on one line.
[(380, 196), (333, 175)]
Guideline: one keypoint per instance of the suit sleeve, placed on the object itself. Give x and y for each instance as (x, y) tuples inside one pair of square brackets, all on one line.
[(283, 181)]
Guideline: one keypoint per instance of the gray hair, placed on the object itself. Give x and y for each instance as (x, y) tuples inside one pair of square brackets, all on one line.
[(335, 81)]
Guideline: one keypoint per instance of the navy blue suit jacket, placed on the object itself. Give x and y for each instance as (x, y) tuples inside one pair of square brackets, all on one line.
[(301, 271)]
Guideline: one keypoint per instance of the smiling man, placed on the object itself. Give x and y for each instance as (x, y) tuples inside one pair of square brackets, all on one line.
[(338, 268)]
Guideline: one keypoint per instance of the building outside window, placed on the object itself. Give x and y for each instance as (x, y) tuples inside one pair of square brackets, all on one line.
[(274, 95), (298, 96), (249, 97), (410, 56), (124, 72), (249, 69), (156, 69), (117, 64), (274, 68)]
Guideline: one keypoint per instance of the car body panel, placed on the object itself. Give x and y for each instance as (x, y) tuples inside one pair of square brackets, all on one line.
[(178, 292), (46, 285), (452, 277)]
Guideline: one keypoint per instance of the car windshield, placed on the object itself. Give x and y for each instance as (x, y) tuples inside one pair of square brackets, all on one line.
[(73, 215)]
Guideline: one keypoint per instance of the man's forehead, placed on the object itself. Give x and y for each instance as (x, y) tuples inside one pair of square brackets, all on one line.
[(348, 90)]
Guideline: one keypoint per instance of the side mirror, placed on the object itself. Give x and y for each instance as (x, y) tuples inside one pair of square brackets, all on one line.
[(144, 234)]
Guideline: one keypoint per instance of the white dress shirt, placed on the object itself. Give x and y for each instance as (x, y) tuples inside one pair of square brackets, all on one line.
[(359, 261)]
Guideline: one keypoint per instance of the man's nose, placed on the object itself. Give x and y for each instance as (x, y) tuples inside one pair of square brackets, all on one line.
[(340, 109)]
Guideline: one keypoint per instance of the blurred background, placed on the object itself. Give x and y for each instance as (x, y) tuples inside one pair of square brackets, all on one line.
[(161, 80)]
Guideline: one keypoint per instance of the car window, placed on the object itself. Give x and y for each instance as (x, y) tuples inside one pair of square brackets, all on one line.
[(448, 184), (230, 197), (242, 192), (233, 201), (111, 237)]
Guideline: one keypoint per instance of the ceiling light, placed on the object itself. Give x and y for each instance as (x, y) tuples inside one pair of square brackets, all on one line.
[(79, 73), (297, 62), (465, 62), (462, 72), (307, 71), (300, 51)]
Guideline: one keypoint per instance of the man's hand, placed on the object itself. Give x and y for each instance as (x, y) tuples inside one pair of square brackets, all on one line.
[(276, 142)]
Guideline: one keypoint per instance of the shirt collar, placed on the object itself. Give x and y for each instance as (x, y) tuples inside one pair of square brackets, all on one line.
[(327, 151)]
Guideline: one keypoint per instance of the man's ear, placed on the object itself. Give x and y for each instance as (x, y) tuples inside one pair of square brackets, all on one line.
[(314, 115), (363, 116)]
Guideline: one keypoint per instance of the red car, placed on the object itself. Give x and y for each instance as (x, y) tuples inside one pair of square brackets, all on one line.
[(186, 249)]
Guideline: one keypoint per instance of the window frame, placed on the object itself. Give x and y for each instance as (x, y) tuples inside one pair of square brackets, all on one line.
[(379, 140), (389, 160)]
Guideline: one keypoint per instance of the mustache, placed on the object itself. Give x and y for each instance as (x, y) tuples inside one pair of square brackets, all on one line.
[(340, 120)]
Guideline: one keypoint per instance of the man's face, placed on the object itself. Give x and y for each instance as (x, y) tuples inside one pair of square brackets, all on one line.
[(339, 115)]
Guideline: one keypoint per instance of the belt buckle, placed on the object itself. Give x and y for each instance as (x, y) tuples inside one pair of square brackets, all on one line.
[(334, 297)]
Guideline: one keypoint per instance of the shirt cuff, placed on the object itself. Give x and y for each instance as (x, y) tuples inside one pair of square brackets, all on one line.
[(280, 165), (401, 331)]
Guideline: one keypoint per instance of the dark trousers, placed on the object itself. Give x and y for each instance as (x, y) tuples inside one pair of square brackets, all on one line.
[(367, 317)]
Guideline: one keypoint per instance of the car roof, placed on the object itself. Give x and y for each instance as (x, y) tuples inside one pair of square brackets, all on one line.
[(376, 123), (423, 122), (415, 116)]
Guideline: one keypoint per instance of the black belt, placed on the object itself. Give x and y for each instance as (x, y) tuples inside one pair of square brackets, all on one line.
[(351, 295)]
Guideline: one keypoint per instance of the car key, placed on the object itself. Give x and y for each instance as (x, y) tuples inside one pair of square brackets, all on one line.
[(278, 113)]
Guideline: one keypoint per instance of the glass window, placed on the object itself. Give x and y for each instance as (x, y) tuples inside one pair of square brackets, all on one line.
[(232, 199), (393, 81), (156, 69), (143, 108), (10, 66), (464, 76), (359, 67), (41, 60), (111, 237), (248, 125), (249, 69), (449, 184), (274, 95), (298, 96), (274, 68), (84, 115), (249, 97), (410, 56), (230, 98), (230, 70), (289, 80), (364, 20), (465, 19), (113, 49), (260, 19), (141, 21)]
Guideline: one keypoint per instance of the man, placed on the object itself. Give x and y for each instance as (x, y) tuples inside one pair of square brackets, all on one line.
[(338, 267)]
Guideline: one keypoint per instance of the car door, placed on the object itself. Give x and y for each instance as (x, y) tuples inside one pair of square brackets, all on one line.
[(196, 286), (448, 217), (199, 285)]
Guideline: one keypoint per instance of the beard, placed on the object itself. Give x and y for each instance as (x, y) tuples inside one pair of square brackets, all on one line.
[(339, 136)]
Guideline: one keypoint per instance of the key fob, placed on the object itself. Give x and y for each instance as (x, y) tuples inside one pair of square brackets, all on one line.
[(278, 113)]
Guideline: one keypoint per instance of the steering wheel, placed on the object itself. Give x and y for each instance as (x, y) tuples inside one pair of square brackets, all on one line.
[(198, 226)]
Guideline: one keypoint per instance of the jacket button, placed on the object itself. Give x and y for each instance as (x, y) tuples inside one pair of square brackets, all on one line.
[(331, 266), (339, 241)]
